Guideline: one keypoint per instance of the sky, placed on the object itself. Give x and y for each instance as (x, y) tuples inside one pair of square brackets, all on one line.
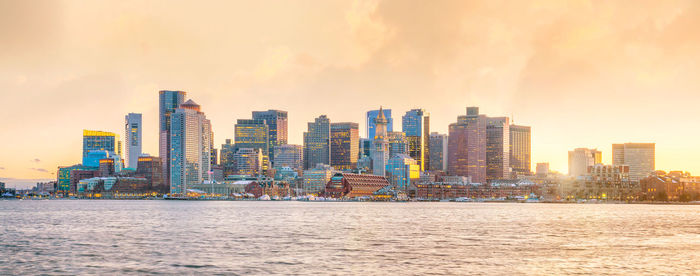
[(581, 73)]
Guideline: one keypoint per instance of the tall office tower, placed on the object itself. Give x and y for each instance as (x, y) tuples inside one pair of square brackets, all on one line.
[(168, 101), (402, 171), (276, 121), (190, 142), (249, 161), (466, 150), (520, 149), (497, 148), (365, 147), (291, 156), (95, 140), (416, 125), (132, 134), (640, 157), (438, 152), (226, 160), (380, 145), (214, 155), (317, 143), (398, 144), (371, 125), (581, 158), (344, 145), (252, 134)]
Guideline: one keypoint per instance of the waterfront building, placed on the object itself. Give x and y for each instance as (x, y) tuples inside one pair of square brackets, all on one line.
[(100, 140), (416, 125), (94, 156), (248, 161), (286, 174), (190, 140), (497, 148), (467, 146), (350, 185), (438, 152), (63, 176), (398, 144), (113, 187), (542, 169), (132, 136), (314, 180), (344, 145), (582, 158), (364, 164), (402, 171), (317, 143), (380, 145), (168, 101), (371, 124), (640, 157), (277, 122), (80, 174), (520, 151), (605, 182), (660, 186), (151, 168), (288, 155)]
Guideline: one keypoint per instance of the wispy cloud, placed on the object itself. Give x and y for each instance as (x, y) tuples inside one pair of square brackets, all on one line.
[(36, 160), (40, 170), (2, 168)]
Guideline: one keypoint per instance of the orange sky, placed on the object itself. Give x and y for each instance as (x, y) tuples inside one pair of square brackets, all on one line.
[(581, 73)]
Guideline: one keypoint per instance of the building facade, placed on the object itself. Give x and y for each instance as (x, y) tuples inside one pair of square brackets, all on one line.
[(416, 125), (371, 124), (277, 124), (248, 161), (317, 143), (344, 140), (398, 144), (350, 185), (467, 146), (640, 157), (582, 158), (314, 180), (438, 152), (132, 135), (497, 148), (168, 101), (380, 145), (252, 134), (520, 151), (291, 156), (402, 171), (95, 140), (190, 140), (150, 167)]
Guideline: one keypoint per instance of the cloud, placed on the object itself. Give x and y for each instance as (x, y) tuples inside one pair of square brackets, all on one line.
[(40, 170), (2, 168), (36, 160)]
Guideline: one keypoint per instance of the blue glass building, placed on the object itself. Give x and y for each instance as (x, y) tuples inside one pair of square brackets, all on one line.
[(371, 124)]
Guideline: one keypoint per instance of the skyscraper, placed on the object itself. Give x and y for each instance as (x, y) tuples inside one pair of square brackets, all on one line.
[(520, 149), (132, 134), (291, 156), (276, 121), (190, 140), (581, 158), (249, 161), (168, 101), (371, 125), (416, 125), (380, 145), (398, 144), (497, 148), (365, 147), (438, 152), (466, 154), (317, 143), (345, 139), (640, 157), (226, 158), (402, 170), (95, 140), (253, 134)]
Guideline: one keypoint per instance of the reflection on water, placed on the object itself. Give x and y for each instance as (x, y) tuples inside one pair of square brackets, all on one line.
[(143, 237)]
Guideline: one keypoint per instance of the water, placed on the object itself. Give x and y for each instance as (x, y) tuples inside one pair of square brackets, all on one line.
[(194, 237)]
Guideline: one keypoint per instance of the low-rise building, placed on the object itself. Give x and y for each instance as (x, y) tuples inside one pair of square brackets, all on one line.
[(350, 185)]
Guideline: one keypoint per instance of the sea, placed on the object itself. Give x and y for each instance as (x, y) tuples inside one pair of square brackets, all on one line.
[(143, 237)]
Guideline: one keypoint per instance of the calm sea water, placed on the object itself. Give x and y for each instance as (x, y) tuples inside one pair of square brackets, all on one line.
[(195, 237)]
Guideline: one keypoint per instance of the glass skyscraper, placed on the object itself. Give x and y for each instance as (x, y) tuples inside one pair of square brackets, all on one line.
[(190, 140), (438, 152), (344, 145), (95, 140), (317, 143), (416, 125), (252, 134), (168, 101), (372, 125), (276, 121), (520, 149), (132, 136)]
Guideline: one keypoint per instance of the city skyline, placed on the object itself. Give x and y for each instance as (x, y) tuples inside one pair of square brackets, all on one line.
[(564, 83)]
